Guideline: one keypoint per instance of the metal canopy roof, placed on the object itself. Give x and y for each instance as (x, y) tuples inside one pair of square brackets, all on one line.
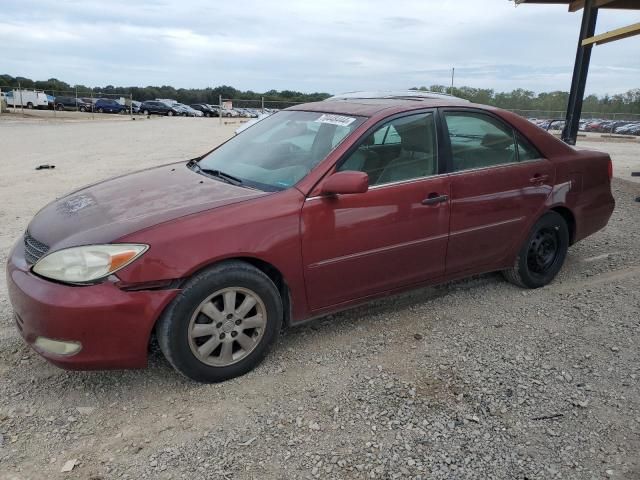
[(575, 5), (587, 39)]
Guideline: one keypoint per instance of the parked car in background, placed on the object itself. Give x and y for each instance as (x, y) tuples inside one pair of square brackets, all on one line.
[(155, 107), (556, 125), (217, 111), (186, 111), (226, 112), (310, 211), (72, 103), (206, 110), (135, 106), (182, 111), (194, 112), (251, 122), (108, 105)]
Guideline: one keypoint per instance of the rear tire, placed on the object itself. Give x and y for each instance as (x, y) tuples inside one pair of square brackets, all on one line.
[(145, 112), (170, 113), (543, 253), (30, 106), (222, 324)]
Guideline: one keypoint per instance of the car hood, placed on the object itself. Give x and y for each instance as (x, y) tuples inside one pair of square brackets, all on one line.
[(106, 211)]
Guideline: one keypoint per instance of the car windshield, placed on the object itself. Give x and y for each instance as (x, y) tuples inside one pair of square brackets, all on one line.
[(282, 149)]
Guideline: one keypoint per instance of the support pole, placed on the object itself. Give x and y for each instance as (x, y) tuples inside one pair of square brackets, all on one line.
[(220, 105), (580, 71), (453, 73), (21, 104)]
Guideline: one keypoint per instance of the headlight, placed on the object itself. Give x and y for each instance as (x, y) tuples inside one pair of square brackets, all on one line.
[(88, 263)]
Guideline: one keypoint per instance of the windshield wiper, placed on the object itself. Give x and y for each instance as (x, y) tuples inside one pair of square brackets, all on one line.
[(215, 173), (224, 176)]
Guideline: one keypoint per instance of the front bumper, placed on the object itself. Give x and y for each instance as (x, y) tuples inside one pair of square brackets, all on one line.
[(111, 325)]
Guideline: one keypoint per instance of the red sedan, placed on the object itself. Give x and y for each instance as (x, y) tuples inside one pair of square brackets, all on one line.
[(312, 210)]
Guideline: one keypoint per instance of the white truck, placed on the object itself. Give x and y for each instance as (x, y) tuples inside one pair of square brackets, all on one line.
[(27, 98)]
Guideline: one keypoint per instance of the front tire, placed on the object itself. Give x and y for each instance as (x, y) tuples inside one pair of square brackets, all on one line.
[(222, 324), (543, 253)]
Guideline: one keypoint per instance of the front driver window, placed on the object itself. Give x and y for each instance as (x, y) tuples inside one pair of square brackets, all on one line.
[(401, 149)]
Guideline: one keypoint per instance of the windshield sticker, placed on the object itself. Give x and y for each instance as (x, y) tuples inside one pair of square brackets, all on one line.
[(336, 119)]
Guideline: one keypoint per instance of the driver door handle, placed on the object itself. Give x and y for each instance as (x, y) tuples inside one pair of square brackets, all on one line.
[(538, 179), (434, 199)]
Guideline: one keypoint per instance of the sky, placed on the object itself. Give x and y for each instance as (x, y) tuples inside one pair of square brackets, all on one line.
[(321, 45)]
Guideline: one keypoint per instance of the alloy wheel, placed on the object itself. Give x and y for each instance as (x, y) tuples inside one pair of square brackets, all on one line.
[(227, 326)]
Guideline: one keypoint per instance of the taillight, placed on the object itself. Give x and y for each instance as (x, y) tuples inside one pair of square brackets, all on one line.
[(610, 169)]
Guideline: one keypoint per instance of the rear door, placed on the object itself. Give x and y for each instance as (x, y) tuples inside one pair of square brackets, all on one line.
[(499, 185)]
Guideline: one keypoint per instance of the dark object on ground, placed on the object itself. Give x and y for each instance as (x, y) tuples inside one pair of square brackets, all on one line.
[(46, 166), (549, 417), (635, 174)]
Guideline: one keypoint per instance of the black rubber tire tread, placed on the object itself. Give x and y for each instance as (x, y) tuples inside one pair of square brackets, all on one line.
[(513, 276), (519, 274), (171, 329)]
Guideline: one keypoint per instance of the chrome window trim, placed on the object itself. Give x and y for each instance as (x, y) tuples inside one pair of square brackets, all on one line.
[(501, 165), (447, 174)]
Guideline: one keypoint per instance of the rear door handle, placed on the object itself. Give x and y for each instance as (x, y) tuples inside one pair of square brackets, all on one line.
[(538, 179), (434, 199)]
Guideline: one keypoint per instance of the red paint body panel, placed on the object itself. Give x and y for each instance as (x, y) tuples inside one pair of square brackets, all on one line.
[(356, 245), (113, 326), (331, 251), (492, 209), (266, 229)]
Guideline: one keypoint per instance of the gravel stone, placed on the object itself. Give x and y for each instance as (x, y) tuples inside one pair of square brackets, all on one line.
[(502, 384)]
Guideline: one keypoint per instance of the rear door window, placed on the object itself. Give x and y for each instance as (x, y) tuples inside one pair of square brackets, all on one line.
[(525, 150), (479, 141)]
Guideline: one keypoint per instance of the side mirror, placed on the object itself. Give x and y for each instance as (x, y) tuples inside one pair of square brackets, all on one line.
[(345, 183)]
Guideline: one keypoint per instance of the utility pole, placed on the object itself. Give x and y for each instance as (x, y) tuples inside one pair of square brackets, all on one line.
[(21, 105), (453, 72), (220, 105)]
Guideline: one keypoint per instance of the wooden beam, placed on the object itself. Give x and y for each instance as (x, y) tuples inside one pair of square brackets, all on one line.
[(613, 35), (576, 5)]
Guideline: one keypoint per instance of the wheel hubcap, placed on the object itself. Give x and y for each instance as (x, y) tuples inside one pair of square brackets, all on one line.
[(227, 326), (543, 250)]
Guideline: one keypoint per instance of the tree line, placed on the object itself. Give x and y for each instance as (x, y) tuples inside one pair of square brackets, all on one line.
[(209, 95), (518, 99), (521, 99)]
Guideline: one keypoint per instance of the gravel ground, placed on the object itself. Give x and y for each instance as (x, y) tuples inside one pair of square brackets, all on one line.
[(474, 379)]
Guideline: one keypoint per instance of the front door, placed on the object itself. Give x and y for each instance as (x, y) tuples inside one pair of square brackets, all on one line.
[(394, 235), (499, 185)]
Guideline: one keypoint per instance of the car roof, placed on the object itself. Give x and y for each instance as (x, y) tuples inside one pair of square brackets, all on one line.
[(368, 107)]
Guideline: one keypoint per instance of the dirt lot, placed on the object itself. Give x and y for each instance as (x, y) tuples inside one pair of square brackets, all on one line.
[(475, 379)]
